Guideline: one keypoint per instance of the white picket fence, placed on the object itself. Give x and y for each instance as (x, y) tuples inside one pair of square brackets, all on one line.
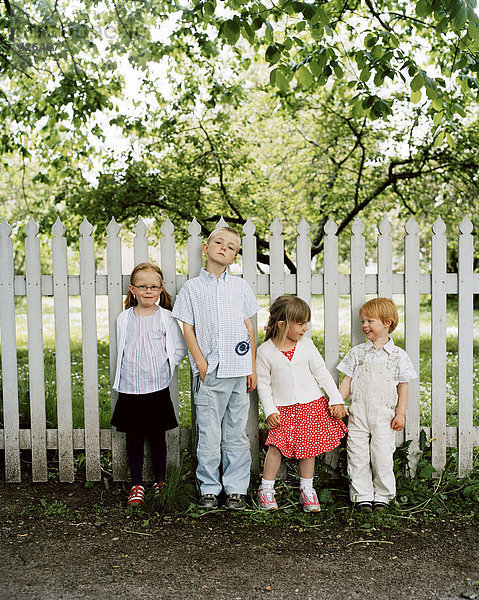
[(410, 283)]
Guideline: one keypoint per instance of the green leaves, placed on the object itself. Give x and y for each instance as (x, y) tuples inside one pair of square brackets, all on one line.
[(278, 78), (230, 30), (304, 77), (417, 82)]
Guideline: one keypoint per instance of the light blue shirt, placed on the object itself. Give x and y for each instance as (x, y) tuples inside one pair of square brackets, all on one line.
[(217, 309)]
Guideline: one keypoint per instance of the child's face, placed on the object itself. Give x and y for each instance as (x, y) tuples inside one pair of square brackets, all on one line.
[(147, 288), (296, 331), (374, 329), (222, 249)]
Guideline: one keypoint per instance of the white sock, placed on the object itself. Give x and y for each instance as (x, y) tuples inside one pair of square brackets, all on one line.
[(306, 484), (267, 484)]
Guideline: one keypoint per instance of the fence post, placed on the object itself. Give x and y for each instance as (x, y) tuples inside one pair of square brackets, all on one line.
[(36, 368), (62, 352), (331, 313), (11, 434), (303, 261), (438, 345), (465, 349), (168, 267), (331, 299), (276, 267), (115, 306), (195, 262), (358, 280), (385, 260), (412, 335), (140, 242), (90, 352), (250, 275)]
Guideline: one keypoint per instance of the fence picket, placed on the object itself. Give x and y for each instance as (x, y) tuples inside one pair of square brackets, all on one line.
[(62, 352), (438, 345), (140, 242), (89, 350), (168, 268), (358, 279), (11, 433), (465, 348), (195, 257), (412, 335), (331, 299), (303, 261), (385, 260), (249, 274), (276, 268), (115, 306), (36, 372)]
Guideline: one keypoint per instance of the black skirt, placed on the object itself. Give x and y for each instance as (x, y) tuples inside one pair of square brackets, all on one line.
[(144, 413)]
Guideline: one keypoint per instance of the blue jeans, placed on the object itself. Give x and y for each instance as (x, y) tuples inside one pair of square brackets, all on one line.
[(222, 407)]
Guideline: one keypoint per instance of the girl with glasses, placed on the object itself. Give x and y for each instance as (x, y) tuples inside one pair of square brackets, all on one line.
[(150, 347)]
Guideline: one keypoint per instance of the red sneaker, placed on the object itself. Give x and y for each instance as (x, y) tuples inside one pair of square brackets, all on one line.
[(158, 488), (137, 495)]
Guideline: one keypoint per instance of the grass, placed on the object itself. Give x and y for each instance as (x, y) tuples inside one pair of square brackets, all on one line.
[(184, 370)]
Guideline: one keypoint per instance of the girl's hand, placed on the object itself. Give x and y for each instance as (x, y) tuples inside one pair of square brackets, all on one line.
[(251, 382), (273, 420), (337, 411)]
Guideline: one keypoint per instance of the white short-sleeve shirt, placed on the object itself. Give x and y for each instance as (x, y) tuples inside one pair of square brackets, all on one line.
[(217, 309), (368, 352)]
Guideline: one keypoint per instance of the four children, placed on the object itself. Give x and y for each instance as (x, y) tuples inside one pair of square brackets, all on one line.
[(216, 310)]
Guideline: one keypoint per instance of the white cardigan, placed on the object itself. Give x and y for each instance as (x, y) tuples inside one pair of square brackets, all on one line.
[(283, 382), (175, 342)]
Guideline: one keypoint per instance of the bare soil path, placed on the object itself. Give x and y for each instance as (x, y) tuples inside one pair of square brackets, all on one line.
[(66, 542)]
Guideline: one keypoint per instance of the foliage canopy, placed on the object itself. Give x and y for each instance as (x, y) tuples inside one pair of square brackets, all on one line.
[(326, 109)]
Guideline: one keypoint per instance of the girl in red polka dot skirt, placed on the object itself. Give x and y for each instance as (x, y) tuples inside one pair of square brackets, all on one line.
[(291, 378)]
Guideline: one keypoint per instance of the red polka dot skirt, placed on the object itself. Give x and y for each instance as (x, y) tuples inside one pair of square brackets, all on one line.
[(306, 430)]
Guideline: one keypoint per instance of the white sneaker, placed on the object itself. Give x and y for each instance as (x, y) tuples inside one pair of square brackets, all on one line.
[(266, 499), (310, 501)]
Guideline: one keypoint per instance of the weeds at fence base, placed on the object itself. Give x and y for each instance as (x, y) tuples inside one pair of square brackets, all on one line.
[(421, 499)]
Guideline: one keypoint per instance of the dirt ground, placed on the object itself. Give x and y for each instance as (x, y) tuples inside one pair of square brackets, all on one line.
[(66, 542)]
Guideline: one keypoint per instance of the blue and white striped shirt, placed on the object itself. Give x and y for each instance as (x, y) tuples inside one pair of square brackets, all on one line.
[(217, 309), (145, 366)]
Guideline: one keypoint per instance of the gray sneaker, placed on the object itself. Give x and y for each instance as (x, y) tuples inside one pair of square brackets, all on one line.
[(208, 501), (235, 502)]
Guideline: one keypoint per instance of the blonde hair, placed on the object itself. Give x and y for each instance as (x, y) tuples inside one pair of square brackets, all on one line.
[(383, 309), (291, 310), (165, 298), (227, 229)]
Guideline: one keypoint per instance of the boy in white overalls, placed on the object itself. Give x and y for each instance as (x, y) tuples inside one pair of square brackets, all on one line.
[(376, 375)]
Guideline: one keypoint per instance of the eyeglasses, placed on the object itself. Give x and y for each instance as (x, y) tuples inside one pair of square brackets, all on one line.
[(145, 288)]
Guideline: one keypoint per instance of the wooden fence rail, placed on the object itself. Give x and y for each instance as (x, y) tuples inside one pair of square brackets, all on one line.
[(409, 283)]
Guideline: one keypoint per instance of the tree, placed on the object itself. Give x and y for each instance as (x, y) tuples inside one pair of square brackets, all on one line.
[(424, 47), (306, 158), (223, 140), (60, 61)]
